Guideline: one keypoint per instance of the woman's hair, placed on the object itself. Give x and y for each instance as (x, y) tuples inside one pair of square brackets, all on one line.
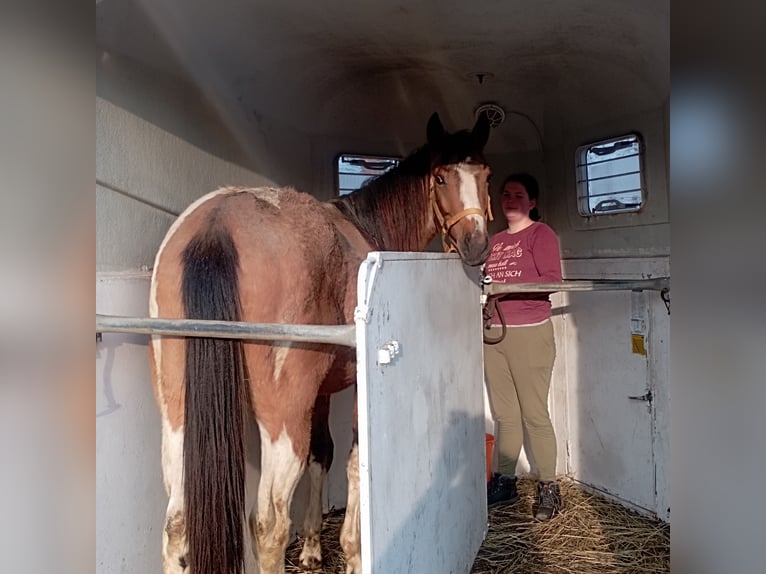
[(530, 184)]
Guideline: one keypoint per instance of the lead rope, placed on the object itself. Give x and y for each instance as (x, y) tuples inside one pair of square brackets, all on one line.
[(489, 308)]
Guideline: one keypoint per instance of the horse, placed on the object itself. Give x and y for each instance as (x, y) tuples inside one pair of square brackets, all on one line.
[(275, 255)]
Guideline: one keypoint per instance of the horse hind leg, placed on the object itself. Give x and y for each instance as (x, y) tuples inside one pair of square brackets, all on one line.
[(320, 459), (281, 469), (174, 543), (350, 533), (167, 383)]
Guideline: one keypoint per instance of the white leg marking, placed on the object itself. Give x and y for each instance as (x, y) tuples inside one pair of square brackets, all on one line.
[(174, 546), (156, 342), (279, 358), (469, 194), (350, 535), (280, 471), (311, 556)]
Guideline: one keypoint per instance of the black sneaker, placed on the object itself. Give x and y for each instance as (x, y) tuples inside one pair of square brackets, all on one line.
[(501, 489), (548, 500)]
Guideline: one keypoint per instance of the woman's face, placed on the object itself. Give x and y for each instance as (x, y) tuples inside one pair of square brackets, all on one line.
[(515, 201)]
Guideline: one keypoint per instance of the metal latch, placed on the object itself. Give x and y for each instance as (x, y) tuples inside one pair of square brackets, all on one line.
[(387, 352), (646, 397)]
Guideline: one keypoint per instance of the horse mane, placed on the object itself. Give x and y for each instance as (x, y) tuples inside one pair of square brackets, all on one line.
[(392, 209)]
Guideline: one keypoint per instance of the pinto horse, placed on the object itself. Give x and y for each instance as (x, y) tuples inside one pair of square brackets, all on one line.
[(269, 255)]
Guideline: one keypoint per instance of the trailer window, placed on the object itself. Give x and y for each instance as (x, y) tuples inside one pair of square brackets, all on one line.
[(354, 170), (610, 176)]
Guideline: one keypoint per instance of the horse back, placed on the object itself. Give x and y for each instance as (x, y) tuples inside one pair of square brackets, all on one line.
[(298, 261), (295, 266)]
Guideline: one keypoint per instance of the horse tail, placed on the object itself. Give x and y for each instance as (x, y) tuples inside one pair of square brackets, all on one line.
[(214, 382)]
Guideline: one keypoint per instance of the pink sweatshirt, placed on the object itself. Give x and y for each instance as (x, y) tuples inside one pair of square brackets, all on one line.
[(528, 256)]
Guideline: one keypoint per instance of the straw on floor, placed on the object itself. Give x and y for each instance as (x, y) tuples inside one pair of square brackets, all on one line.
[(592, 535)]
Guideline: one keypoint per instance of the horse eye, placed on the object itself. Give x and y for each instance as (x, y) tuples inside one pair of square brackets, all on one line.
[(439, 179)]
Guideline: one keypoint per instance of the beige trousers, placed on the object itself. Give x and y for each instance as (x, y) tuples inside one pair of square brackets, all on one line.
[(518, 372)]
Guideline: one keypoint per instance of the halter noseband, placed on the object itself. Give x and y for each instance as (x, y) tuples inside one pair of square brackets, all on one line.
[(446, 224)]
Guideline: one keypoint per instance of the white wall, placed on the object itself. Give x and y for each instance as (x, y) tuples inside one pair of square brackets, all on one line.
[(619, 246), (130, 497), (145, 176), (642, 234), (616, 444), (160, 145)]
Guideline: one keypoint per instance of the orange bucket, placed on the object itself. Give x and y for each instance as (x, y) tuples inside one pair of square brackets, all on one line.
[(490, 440)]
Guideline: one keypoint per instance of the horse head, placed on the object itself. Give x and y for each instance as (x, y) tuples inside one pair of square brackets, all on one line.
[(459, 188)]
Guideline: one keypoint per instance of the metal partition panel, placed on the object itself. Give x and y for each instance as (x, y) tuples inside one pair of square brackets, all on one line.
[(421, 414)]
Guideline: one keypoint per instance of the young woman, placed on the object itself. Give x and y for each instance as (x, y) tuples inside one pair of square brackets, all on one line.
[(518, 368)]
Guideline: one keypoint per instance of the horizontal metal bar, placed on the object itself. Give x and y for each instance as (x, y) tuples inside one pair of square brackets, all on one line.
[(589, 163), (330, 334), (611, 176), (611, 193), (136, 197), (657, 284), (604, 177)]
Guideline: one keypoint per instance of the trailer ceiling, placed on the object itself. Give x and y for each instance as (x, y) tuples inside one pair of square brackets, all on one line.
[(357, 69)]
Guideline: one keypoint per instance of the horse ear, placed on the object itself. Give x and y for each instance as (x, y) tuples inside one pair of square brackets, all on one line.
[(435, 129), (480, 130)]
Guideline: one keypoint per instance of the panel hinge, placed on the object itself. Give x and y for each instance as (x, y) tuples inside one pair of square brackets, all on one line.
[(647, 397)]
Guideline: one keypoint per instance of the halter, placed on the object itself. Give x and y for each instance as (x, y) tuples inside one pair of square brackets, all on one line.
[(446, 224)]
